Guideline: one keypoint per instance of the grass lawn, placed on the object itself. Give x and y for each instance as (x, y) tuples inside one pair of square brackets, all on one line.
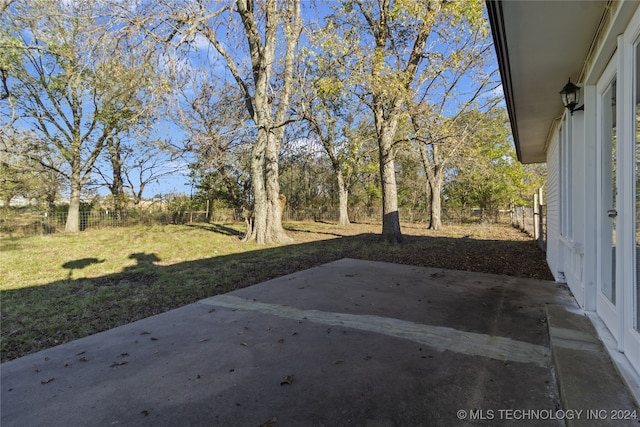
[(61, 287)]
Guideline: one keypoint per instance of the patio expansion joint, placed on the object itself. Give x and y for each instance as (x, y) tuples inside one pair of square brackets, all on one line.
[(439, 338)]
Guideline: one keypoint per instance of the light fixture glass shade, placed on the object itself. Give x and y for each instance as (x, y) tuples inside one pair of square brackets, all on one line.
[(570, 94)]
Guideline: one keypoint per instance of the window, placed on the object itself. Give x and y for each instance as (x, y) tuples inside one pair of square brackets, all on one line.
[(566, 179)]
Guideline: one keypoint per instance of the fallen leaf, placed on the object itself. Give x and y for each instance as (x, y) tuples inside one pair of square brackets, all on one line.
[(47, 381), (337, 362), (271, 421), (114, 364), (287, 380)]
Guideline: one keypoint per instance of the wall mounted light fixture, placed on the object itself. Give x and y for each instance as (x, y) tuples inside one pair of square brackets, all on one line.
[(570, 94)]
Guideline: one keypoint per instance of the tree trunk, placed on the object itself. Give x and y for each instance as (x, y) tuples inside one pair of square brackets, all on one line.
[(51, 203), (390, 216), (257, 220), (51, 190), (388, 107), (275, 232), (7, 202), (73, 216), (435, 221), (117, 184), (343, 198), (434, 169), (137, 196), (266, 226)]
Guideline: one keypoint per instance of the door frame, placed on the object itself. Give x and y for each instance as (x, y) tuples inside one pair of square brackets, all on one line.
[(611, 312), (629, 44)]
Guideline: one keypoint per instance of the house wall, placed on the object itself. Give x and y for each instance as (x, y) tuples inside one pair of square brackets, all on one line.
[(566, 194), (572, 179), (553, 209), (577, 199)]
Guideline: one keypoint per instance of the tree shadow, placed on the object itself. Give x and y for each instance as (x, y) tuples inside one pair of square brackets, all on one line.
[(217, 228), (39, 317), (6, 245), (298, 230), (79, 264), (143, 260)]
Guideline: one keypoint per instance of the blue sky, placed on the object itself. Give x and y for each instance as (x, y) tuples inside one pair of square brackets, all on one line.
[(179, 182)]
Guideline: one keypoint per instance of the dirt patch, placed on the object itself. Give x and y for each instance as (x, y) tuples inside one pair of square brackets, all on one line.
[(491, 248)]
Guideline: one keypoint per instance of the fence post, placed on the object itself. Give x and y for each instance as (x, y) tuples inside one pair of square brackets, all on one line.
[(536, 217), (511, 211), (541, 219)]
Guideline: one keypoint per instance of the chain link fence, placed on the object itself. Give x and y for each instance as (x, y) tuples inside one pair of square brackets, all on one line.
[(374, 215), (22, 224), (532, 220), (31, 223)]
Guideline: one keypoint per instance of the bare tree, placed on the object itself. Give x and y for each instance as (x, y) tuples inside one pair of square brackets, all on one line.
[(218, 132), (459, 81), (29, 168), (270, 31), (131, 167), (70, 84), (55, 90), (144, 166)]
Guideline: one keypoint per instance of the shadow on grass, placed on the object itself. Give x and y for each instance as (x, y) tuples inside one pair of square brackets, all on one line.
[(143, 260), (299, 230), (39, 317), (217, 228), (8, 245), (79, 264)]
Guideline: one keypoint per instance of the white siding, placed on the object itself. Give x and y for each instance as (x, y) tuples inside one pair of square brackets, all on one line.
[(572, 242), (553, 209)]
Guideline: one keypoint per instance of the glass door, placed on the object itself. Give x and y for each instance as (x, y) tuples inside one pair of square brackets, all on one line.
[(608, 301), (636, 134), (609, 193), (629, 197)]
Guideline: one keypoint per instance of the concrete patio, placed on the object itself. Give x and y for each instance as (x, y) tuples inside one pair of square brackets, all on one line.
[(349, 343)]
